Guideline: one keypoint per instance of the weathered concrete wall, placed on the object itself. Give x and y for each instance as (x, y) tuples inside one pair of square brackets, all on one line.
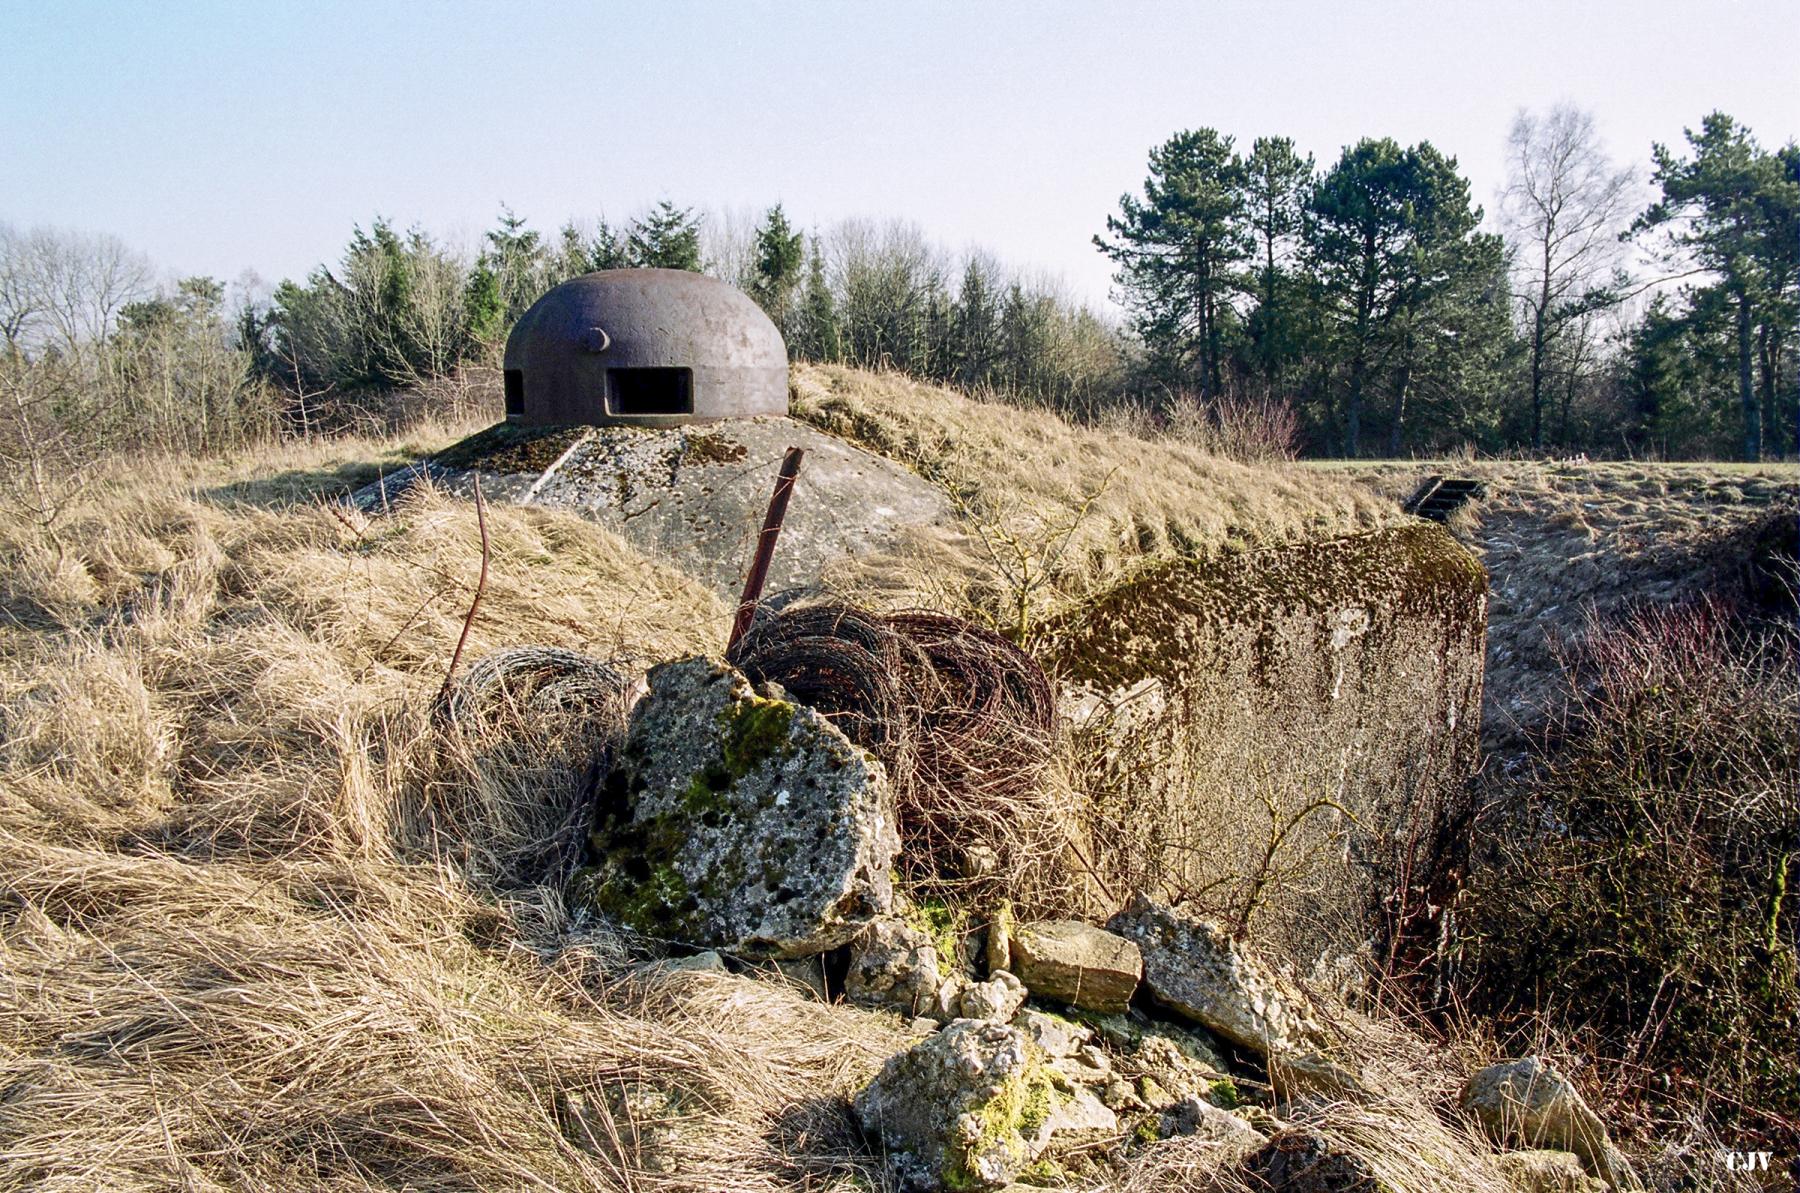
[(1275, 730)]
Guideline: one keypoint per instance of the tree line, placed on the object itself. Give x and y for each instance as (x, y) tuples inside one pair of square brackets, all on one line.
[(1368, 303), (399, 308), (1369, 294)]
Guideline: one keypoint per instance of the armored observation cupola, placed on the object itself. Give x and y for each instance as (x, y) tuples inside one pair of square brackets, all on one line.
[(645, 347)]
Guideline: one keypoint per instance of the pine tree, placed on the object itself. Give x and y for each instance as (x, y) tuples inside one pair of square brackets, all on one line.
[(666, 238), (1729, 208), (1277, 181), (780, 254), (1387, 230), (1178, 250)]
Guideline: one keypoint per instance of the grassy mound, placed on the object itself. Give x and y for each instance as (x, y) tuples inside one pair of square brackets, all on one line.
[(1054, 511), (263, 924)]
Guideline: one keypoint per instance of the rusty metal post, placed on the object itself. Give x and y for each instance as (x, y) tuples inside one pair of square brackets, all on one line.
[(765, 546)]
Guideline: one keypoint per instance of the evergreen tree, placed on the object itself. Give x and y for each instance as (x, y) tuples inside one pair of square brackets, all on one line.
[(1387, 231), (1178, 250), (516, 256), (666, 238), (1277, 181), (819, 337), (977, 332), (1728, 208), (779, 255)]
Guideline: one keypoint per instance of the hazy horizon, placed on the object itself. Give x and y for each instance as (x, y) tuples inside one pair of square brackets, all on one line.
[(219, 139)]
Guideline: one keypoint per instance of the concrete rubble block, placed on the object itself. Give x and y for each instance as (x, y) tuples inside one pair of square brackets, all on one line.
[(737, 821), (1077, 963), (1194, 968), (1200, 1119), (1132, 1033), (893, 965), (1056, 1036), (997, 1000), (998, 944), (1528, 1102), (971, 1106)]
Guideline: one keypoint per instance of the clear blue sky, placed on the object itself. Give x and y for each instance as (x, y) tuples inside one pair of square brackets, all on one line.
[(221, 137)]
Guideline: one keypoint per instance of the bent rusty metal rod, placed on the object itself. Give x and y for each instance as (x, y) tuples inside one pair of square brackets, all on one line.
[(765, 546)]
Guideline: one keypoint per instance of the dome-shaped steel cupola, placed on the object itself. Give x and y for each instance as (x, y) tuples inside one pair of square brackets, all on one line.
[(651, 347)]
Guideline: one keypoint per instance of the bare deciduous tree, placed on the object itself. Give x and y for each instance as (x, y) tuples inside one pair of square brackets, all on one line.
[(65, 288), (1563, 208)]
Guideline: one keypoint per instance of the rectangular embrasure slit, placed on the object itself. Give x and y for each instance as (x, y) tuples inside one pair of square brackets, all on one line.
[(649, 391)]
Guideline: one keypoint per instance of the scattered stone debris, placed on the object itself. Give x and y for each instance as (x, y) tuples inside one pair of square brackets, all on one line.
[(739, 821), (1194, 968), (1055, 1036), (1528, 1102), (1201, 1119), (998, 942), (997, 1000), (893, 966), (1077, 963)]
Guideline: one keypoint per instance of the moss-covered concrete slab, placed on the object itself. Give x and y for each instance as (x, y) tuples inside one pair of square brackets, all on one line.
[(1271, 734)]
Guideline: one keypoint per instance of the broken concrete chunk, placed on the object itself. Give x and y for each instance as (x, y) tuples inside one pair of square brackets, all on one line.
[(1077, 963), (893, 965), (1132, 1031), (1053, 1034), (1199, 1118), (997, 1000), (962, 1109), (1527, 1101), (1194, 968), (999, 938), (739, 822)]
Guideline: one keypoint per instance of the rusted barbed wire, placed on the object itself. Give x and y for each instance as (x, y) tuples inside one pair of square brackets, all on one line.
[(963, 720)]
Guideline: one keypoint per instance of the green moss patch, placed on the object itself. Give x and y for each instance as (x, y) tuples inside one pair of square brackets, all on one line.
[(1008, 1121), (756, 730)]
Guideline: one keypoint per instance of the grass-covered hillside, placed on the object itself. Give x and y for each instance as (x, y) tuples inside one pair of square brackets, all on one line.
[(266, 922)]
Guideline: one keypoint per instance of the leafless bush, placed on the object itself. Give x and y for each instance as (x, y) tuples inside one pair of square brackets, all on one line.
[(1237, 426), (1633, 889)]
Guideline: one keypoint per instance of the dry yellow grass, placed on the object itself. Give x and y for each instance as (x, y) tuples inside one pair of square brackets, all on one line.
[(264, 926)]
